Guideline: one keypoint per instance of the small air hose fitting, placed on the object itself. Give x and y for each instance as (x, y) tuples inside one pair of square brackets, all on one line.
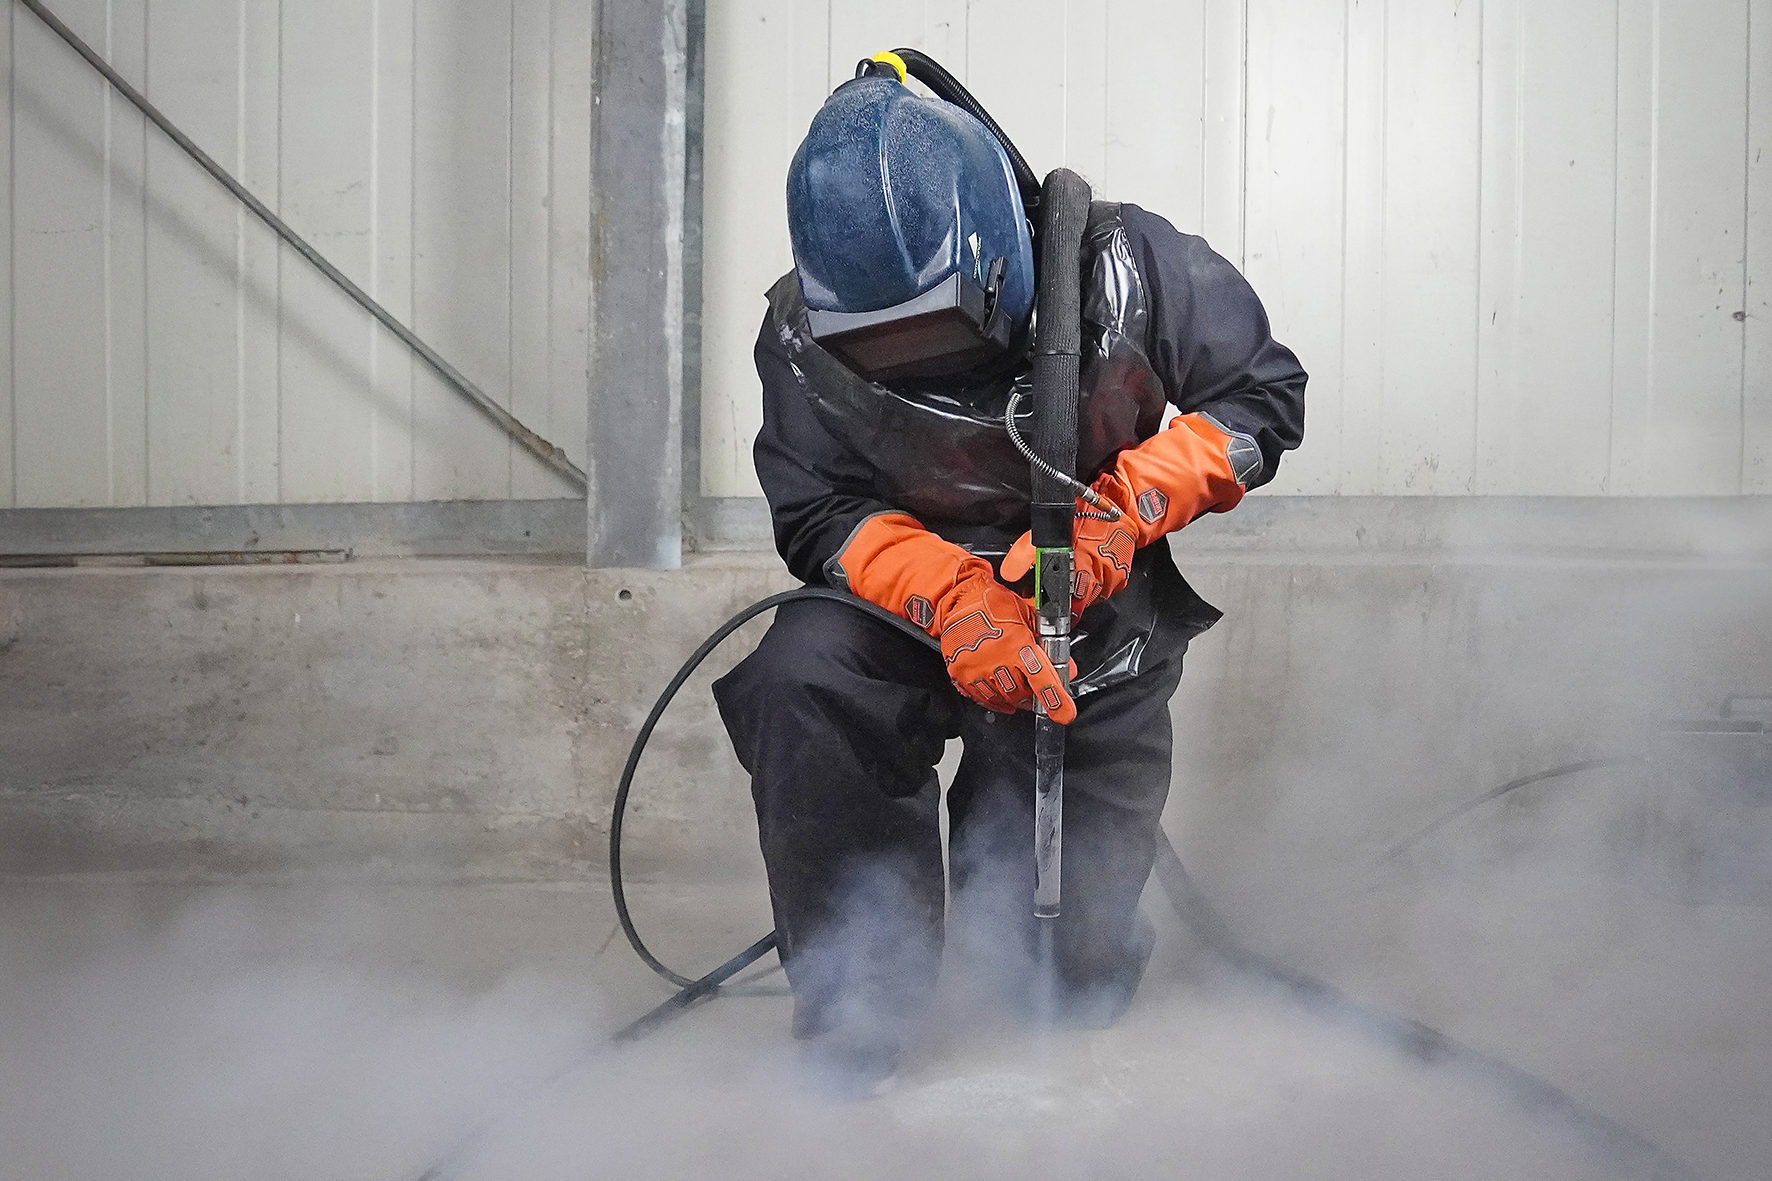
[(1084, 492)]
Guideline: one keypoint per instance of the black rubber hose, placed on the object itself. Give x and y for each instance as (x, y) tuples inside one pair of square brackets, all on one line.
[(1495, 793), (1418, 1041), (1421, 1042), (619, 810), (696, 992), (1064, 212), (945, 86), (1411, 1037)]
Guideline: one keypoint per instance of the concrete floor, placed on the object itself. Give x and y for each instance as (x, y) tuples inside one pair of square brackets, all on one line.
[(352, 1030)]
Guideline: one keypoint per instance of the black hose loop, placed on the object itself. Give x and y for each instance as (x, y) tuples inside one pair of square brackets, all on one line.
[(618, 811), (1445, 818), (945, 86), (1057, 392), (1534, 1095)]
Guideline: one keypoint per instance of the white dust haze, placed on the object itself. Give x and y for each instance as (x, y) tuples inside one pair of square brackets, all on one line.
[(1609, 931)]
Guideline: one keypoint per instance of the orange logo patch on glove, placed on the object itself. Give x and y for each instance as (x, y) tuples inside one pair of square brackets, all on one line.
[(1152, 504), (919, 611)]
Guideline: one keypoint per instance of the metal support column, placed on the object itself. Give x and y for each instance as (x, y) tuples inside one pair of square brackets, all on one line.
[(637, 202)]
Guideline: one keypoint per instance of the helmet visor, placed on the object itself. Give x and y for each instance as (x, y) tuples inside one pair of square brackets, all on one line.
[(953, 327)]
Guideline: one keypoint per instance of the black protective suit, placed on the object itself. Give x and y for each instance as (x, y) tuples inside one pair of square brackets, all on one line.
[(840, 719)]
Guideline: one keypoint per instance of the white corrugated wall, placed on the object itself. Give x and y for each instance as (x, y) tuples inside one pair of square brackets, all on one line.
[(162, 348), (1523, 246)]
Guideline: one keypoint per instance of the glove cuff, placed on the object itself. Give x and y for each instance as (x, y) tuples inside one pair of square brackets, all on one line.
[(1177, 475), (893, 562)]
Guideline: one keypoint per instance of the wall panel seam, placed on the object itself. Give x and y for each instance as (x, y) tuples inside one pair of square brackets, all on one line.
[(1205, 107), (1347, 49), (148, 455), (1747, 196), (411, 382), (1654, 224), (549, 342), (1243, 140), (1384, 208), (240, 232), (107, 187), (12, 251), (375, 343), (1617, 224), (510, 292), (277, 265), (1519, 210), (1476, 480)]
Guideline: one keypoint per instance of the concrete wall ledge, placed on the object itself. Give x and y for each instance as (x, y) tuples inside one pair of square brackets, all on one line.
[(1335, 527), (467, 717), (1487, 528), (417, 716), (417, 529), (1443, 528)]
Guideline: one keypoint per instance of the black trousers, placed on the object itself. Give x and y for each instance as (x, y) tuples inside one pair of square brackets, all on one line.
[(840, 719)]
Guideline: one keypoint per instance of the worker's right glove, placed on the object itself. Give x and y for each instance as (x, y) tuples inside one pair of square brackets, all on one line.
[(986, 630), (1176, 475)]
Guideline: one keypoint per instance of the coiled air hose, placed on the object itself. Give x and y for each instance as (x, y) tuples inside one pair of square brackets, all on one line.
[(1635, 1155), (706, 985), (1631, 1152)]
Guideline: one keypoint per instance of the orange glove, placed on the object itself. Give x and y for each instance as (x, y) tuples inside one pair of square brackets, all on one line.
[(986, 630), (1158, 486)]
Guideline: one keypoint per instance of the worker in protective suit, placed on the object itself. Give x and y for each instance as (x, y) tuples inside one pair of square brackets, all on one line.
[(888, 357)]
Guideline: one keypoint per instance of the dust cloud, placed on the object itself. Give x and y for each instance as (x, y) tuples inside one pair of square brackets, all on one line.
[(1609, 930), (154, 1032)]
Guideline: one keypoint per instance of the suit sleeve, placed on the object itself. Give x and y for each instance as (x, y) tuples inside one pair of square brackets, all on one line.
[(818, 490), (1210, 343)]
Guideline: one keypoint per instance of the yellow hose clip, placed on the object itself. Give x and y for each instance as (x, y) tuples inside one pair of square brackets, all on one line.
[(893, 60)]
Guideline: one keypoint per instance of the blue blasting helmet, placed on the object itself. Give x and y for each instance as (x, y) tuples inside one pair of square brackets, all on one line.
[(909, 236)]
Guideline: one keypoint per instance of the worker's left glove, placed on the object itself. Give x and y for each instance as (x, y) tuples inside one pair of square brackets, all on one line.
[(986, 630), (1194, 467)]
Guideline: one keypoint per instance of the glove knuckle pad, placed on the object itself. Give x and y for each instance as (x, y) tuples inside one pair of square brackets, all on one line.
[(1118, 549), (966, 633)]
